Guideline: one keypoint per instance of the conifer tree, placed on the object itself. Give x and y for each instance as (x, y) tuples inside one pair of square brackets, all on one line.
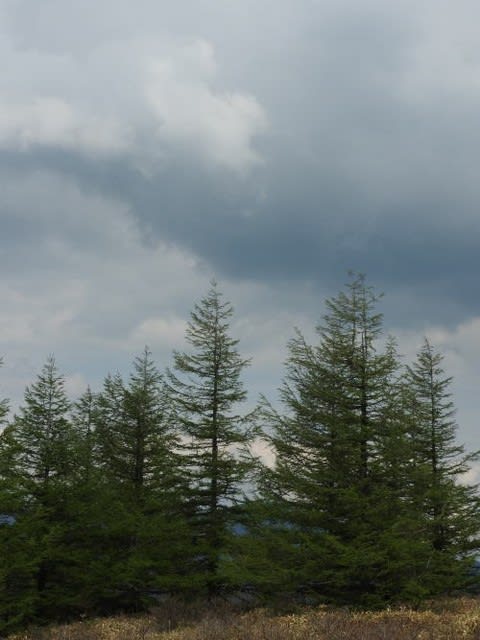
[(331, 493), (136, 449), (17, 571), (84, 418), (43, 431), (19, 553), (154, 442), (136, 438), (91, 510), (449, 507), (206, 389), (160, 550), (111, 428), (42, 438)]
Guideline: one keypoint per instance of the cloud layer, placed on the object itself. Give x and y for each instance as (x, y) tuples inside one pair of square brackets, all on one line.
[(275, 145)]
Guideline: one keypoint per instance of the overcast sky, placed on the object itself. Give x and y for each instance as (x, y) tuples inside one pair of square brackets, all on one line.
[(148, 146)]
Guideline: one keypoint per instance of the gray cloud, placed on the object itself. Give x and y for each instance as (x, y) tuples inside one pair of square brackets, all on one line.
[(367, 160), (276, 144)]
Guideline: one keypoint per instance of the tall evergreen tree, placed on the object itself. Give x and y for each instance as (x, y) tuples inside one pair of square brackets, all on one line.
[(16, 569), (154, 443), (111, 429), (43, 431), (41, 436), (161, 541), (135, 435), (331, 494), (450, 509), (19, 551), (206, 389), (136, 449), (92, 511), (84, 418)]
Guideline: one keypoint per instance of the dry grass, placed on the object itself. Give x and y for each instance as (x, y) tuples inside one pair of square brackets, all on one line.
[(457, 619)]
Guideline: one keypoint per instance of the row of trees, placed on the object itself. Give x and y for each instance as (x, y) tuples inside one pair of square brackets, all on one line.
[(151, 486)]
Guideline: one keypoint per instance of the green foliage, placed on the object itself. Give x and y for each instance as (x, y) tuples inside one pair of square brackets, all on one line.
[(141, 489), (19, 565), (18, 560), (346, 507), (449, 508), (36, 454), (136, 448), (206, 389), (42, 430)]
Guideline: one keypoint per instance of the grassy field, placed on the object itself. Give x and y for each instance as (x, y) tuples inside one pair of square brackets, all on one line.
[(454, 619)]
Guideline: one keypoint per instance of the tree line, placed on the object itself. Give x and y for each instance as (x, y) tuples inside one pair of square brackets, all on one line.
[(150, 485)]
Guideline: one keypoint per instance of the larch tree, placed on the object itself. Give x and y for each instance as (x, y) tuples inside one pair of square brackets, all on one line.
[(42, 436), (154, 441), (83, 419), (159, 487), (137, 449), (206, 390), (16, 571), (92, 509), (111, 431), (19, 559), (449, 506), (136, 438), (43, 431), (330, 493)]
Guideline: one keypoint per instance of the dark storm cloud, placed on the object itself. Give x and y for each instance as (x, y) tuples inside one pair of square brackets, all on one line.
[(301, 227)]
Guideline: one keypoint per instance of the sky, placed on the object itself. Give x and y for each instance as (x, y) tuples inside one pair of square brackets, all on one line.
[(148, 147)]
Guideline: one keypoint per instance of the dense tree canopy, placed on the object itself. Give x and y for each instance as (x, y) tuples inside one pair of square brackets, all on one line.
[(148, 485)]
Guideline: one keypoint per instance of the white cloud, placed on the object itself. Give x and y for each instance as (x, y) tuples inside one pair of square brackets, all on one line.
[(75, 385), (221, 126), (145, 98), (51, 122), (472, 476), (261, 449), (160, 332)]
